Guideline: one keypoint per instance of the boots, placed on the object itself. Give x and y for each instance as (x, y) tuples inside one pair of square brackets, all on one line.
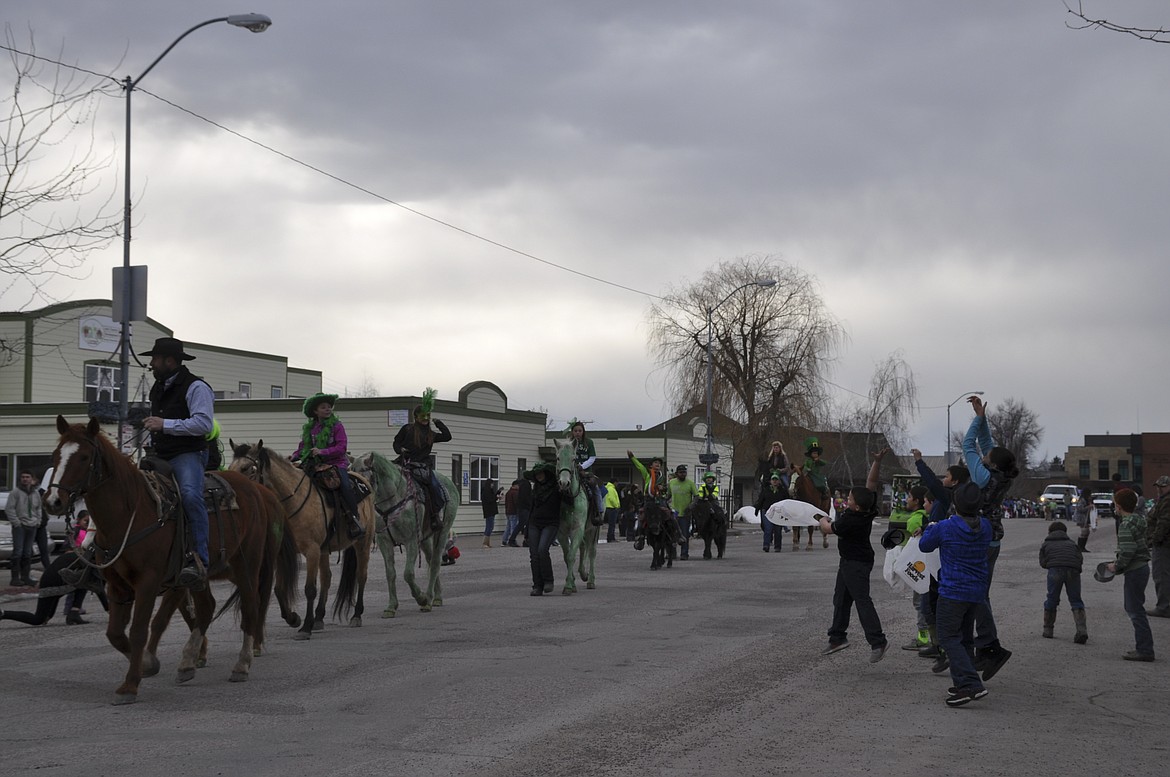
[(356, 530), (73, 618), (1050, 623), (1082, 635), (1082, 542), (930, 649), (487, 541)]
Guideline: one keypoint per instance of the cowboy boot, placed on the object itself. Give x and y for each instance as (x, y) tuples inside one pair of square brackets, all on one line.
[(1050, 623), (73, 618), (356, 530), (1082, 635)]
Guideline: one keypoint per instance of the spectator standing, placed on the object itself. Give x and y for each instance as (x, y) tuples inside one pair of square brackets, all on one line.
[(510, 513), (1158, 539), (772, 493), (489, 497), (1062, 558), (775, 460), (683, 492), (613, 506), (1133, 561), (1082, 515), (26, 514), (543, 523)]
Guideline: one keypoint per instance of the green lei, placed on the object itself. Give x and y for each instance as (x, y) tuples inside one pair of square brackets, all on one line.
[(321, 441)]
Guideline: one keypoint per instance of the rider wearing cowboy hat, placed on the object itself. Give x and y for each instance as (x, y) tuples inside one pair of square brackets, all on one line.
[(182, 414), (324, 443)]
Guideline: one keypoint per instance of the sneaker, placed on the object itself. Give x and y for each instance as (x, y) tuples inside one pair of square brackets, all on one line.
[(929, 651), (995, 662), (877, 653), (1156, 613), (961, 696), (1133, 655), (912, 645), (834, 647), (548, 588), (767, 549), (941, 664), (536, 591)]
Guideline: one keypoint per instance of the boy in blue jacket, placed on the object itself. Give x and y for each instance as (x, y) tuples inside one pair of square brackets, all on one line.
[(964, 578)]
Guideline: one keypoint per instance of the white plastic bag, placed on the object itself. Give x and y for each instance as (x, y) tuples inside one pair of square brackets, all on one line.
[(888, 568), (916, 567)]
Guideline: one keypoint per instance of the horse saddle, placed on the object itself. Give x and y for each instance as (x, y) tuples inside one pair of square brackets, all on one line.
[(218, 495)]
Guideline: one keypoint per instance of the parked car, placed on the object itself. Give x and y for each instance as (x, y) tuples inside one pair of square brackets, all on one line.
[(5, 544), (1053, 497), (1103, 501)]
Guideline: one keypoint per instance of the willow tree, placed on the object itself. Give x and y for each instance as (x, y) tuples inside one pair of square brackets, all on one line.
[(770, 347)]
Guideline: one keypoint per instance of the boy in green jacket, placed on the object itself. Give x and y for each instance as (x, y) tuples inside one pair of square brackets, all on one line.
[(1133, 561)]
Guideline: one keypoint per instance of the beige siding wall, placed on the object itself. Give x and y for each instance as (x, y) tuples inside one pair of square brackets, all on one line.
[(226, 370), (11, 361), (484, 398), (302, 383)]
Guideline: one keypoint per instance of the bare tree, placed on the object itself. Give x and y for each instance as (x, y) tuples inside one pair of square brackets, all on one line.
[(51, 217), (367, 388), (770, 347), (883, 417), (1016, 428), (1152, 34)]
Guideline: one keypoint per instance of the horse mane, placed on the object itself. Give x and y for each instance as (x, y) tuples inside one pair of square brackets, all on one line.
[(382, 467)]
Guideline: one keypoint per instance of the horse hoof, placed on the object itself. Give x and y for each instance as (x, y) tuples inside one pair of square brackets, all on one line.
[(591, 585), (125, 698), (568, 591), (437, 603), (318, 625), (255, 652), (355, 622), (184, 675), (238, 677), (424, 608), (706, 556), (201, 663), (150, 666), (294, 621), (301, 636), (388, 613)]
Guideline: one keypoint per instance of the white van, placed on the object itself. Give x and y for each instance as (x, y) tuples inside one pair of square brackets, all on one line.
[(1054, 495)]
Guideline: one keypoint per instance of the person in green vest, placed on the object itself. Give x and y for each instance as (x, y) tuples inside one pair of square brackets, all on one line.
[(683, 492), (913, 517)]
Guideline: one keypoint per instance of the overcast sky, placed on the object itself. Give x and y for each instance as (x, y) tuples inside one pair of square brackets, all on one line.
[(974, 183)]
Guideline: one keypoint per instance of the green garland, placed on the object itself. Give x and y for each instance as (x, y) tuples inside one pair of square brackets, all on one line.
[(308, 442)]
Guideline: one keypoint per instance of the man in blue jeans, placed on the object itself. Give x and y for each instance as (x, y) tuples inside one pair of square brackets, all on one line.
[(182, 410), (963, 581)]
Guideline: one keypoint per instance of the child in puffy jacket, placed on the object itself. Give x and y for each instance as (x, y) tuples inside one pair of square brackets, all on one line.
[(1062, 557)]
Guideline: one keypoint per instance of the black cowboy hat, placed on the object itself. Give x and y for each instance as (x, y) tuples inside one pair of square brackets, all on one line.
[(169, 346), (893, 538)]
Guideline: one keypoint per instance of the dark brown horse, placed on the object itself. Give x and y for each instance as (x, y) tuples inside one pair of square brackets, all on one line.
[(134, 548), (804, 490)]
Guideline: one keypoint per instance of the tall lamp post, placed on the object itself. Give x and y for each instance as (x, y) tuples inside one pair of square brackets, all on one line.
[(709, 458), (253, 22), (961, 396)]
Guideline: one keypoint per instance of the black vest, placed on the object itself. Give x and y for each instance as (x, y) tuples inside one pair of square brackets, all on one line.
[(172, 403)]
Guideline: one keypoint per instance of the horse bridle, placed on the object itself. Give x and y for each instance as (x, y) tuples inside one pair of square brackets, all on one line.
[(260, 478)]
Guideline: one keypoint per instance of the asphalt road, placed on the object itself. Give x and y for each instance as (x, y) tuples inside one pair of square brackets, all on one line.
[(709, 668)]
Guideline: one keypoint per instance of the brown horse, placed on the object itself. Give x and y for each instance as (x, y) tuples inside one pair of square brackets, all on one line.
[(310, 519), (804, 490), (134, 547)]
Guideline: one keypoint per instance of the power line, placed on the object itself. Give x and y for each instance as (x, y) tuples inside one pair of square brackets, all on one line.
[(351, 184)]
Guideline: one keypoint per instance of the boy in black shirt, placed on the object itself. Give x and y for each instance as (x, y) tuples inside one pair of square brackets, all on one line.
[(853, 527)]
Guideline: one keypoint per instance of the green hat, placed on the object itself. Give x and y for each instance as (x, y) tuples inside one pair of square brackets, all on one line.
[(708, 474), (546, 466), (812, 444), (310, 406)]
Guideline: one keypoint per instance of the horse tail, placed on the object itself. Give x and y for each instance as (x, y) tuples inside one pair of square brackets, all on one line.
[(287, 561), (347, 586)]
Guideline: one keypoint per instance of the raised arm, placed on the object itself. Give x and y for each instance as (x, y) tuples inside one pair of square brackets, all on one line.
[(873, 482)]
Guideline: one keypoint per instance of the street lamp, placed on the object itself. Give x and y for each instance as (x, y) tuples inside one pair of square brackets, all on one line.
[(961, 396), (709, 458), (254, 22)]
